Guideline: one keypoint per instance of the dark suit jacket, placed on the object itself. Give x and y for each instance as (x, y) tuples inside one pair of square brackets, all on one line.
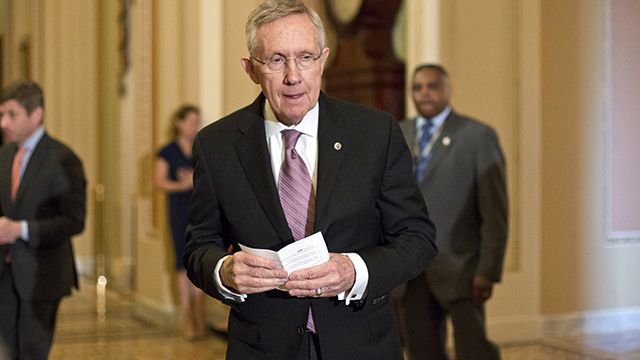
[(366, 202), (465, 189), (52, 198)]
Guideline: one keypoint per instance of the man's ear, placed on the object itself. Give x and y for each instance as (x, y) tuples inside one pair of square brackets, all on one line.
[(323, 59), (247, 64), (37, 114)]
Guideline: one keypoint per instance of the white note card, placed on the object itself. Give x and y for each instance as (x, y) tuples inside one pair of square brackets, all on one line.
[(301, 254)]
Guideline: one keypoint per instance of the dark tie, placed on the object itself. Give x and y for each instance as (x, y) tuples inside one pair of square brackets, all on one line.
[(15, 171), (423, 159), (296, 195)]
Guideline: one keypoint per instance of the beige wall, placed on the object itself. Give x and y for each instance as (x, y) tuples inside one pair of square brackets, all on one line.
[(239, 90), (580, 271)]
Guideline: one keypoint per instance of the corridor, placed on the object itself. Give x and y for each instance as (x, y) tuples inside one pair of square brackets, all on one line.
[(83, 333)]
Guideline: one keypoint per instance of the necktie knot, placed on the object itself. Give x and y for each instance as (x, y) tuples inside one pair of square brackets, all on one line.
[(21, 151), (427, 129), (290, 138)]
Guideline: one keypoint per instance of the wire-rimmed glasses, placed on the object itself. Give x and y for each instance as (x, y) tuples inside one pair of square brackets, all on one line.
[(278, 63)]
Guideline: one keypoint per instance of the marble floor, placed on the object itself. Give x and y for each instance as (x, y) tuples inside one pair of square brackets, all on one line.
[(95, 325)]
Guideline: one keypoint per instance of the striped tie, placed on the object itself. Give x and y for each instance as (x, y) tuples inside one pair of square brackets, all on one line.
[(423, 159), (295, 189), (296, 195)]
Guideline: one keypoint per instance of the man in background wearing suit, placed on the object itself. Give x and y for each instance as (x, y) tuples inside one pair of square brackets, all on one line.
[(460, 169), (359, 193), (42, 205)]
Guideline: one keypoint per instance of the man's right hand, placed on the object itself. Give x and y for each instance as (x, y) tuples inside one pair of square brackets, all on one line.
[(250, 274), (9, 230)]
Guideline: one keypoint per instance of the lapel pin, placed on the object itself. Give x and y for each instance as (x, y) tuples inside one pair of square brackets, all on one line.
[(446, 141), (337, 146)]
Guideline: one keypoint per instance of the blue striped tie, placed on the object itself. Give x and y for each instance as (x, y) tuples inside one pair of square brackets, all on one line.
[(423, 159)]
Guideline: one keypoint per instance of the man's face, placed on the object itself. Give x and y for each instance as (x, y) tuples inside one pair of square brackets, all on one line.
[(431, 92), (16, 124), (292, 92)]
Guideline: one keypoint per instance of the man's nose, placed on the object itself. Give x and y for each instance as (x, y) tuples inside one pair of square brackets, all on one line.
[(291, 72)]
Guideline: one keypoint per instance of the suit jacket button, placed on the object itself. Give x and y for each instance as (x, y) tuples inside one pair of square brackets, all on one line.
[(300, 331)]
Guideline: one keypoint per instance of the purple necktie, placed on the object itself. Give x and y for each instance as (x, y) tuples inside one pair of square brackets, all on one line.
[(296, 195), (295, 189)]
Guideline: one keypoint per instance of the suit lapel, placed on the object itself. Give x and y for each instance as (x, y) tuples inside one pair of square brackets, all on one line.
[(410, 133), (254, 157), (330, 142), (444, 143), (38, 156)]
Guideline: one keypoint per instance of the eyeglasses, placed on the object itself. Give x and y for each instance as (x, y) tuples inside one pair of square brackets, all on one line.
[(278, 62)]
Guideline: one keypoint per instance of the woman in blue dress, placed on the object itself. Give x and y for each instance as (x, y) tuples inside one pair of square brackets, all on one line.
[(173, 173)]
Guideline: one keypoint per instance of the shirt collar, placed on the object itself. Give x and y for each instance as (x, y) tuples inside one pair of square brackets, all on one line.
[(437, 120), (308, 125), (33, 140)]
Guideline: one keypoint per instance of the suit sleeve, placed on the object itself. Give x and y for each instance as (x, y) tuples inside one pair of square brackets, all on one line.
[(408, 243), (64, 214), (493, 205), (204, 229)]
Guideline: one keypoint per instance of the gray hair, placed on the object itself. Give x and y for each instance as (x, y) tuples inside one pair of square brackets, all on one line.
[(272, 10)]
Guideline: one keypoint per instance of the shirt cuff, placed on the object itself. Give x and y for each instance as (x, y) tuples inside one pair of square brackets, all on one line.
[(226, 293), (24, 230), (361, 282)]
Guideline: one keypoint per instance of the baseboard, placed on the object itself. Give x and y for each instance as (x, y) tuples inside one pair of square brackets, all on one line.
[(528, 328), (592, 322)]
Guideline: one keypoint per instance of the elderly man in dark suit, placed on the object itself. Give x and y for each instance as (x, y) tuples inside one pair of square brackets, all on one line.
[(42, 205), (354, 185), (460, 169)]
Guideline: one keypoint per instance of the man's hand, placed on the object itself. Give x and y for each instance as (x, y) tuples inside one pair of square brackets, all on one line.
[(329, 279), (9, 230), (249, 274), (482, 288)]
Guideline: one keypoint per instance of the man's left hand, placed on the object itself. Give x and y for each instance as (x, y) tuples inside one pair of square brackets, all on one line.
[(325, 280), (482, 288)]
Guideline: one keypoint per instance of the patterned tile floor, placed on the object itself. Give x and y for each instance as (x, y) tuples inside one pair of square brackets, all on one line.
[(84, 334)]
